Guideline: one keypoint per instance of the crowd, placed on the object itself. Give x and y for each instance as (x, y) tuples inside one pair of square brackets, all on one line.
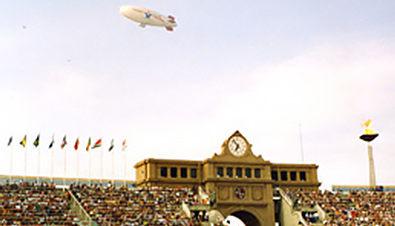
[(153, 206), (373, 208), (35, 204), (43, 204)]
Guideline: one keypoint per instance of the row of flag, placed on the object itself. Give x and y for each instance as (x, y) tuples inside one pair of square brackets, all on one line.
[(98, 143)]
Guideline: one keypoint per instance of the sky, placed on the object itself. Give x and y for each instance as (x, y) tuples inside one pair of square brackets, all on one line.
[(296, 78)]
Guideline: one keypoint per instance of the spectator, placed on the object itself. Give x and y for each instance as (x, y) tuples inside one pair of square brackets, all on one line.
[(354, 208)]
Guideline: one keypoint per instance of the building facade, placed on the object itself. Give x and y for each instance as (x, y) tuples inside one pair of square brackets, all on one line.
[(242, 183)]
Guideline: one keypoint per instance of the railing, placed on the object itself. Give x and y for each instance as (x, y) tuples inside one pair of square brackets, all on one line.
[(285, 196), (203, 197), (185, 209), (80, 211), (290, 203), (321, 213)]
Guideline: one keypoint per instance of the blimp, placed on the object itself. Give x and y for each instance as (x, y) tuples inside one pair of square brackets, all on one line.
[(147, 17)]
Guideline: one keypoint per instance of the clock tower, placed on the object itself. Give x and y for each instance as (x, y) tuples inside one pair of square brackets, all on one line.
[(237, 145), (241, 181)]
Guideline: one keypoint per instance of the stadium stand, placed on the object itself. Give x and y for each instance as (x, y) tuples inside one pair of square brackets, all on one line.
[(35, 204), (25, 203), (153, 206), (350, 208)]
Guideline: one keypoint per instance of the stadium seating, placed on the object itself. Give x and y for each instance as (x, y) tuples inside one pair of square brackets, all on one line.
[(352, 208), (134, 206), (27, 203), (35, 204)]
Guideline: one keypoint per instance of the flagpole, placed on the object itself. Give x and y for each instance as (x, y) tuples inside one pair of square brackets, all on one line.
[(101, 164), (89, 167), (24, 177), (38, 166), (78, 166), (64, 171), (10, 177), (124, 168), (52, 159), (301, 142), (112, 167)]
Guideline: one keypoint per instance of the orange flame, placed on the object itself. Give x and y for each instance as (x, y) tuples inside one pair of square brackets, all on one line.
[(367, 123)]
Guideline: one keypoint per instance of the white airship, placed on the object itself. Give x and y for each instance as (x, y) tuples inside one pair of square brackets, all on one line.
[(232, 221), (147, 17)]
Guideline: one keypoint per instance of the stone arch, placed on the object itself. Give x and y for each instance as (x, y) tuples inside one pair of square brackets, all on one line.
[(249, 215), (248, 218)]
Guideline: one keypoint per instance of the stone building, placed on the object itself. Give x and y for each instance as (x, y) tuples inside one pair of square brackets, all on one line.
[(243, 183)]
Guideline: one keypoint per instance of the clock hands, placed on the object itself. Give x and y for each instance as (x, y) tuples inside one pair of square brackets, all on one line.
[(237, 145)]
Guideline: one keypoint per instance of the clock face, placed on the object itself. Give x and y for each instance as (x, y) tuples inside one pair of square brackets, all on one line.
[(237, 146)]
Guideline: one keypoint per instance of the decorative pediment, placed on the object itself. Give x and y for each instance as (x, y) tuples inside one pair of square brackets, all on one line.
[(237, 149)]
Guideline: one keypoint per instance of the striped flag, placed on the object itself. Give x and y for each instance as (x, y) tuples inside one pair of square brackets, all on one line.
[(112, 145), (23, 141), (52, 142), (37, 141), (10, 141), (88, 146), (64, 142), (97, 144), (124, 145), (77, 142)]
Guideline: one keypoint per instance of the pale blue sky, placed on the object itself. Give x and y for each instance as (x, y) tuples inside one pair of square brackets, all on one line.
[(261, 67)]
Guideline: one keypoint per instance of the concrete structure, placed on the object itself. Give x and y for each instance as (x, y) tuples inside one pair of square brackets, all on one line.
[(241, 183), (372, 173), (368, 137)]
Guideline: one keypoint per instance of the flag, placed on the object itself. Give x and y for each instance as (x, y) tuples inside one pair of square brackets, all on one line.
[(51, 144), (10, 141), (124, 145), (89, 144), (97, 144), (37, 141), (64, 142), (77, 142), (112, 145), (23, 141)]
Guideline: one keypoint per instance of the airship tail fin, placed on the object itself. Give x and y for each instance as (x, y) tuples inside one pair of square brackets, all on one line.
[(171, 19), (169, 28)]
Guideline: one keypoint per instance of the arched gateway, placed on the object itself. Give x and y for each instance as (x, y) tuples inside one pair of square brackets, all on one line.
[(244, 216), (248, 218), (240, 182)]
